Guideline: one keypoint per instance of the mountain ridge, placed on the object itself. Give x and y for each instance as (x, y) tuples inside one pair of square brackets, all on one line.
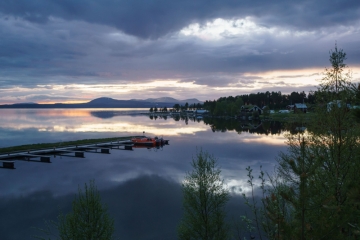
[(106, 102), (170, 99)]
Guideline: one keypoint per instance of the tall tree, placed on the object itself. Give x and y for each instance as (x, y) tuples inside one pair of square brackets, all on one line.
[(186, 106), (176, 107), (89, 219), (335, 79), (316, 194), (336, 139), (296, 189), (204, 200)]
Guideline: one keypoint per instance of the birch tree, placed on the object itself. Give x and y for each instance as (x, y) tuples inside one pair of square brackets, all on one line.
[(204, 200)]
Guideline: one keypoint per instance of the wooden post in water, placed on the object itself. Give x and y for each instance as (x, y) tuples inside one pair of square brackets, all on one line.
[(45, 159), (8, 164), (105, 150), (79, 154)]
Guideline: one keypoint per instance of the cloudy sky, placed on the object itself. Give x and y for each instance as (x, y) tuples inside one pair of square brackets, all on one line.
[(78, 50)]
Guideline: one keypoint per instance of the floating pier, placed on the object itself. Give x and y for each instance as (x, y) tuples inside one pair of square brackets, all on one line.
[(78, 151)]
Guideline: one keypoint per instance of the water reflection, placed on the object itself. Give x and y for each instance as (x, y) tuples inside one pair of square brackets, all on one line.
[(152, 148), (124, 175), (267, 127), (148, 207), (232, 141), (19, 125), (106, 113), (229, 124)]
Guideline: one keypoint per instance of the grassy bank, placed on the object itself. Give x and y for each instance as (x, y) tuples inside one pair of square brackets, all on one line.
[(38, 146)]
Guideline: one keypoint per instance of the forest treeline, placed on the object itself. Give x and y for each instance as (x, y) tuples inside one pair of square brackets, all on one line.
[(231, 105), (274, 100)]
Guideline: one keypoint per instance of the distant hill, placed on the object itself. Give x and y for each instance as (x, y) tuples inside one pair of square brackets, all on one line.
[(105, 102), (170, 100), (25, 103), (173, 100)]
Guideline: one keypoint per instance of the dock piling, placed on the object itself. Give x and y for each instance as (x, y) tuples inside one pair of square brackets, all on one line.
[(105, 150), (128, 147), (45, 159), (79, 154), (8, 164)]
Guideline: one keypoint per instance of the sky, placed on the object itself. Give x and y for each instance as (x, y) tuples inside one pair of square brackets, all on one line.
[(77, 50)]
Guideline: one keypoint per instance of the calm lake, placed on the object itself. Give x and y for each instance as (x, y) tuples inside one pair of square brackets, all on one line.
[(141, 187)]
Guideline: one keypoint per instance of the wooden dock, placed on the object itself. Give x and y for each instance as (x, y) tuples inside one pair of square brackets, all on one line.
[(78, 151)]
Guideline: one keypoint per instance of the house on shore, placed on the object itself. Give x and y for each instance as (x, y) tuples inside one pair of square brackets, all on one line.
[(337, 103), (201, 112), (300, 107), (251, 108), (290, 107)]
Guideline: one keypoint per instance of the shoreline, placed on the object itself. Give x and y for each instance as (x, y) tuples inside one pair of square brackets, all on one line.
[(280, 117)]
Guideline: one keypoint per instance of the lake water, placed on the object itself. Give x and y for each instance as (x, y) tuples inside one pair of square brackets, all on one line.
[(140, 187)]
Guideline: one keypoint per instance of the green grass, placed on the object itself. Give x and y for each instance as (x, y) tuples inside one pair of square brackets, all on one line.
[(38, 146)]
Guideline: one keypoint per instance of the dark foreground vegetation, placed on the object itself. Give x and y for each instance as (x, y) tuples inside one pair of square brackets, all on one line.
[(314, 192)]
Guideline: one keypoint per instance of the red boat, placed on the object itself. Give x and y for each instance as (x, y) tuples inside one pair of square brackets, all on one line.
[(146, 141)]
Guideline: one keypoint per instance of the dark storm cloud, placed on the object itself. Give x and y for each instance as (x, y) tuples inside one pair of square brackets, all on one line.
[(233, 58), (127, 42), (152, 19), (37, 54), (31, 55)]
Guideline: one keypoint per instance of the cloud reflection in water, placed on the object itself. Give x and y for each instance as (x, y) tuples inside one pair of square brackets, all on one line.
[(137, 184)]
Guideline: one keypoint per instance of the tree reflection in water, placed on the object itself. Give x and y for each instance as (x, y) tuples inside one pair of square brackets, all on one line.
[(266, 127), (231, 124)]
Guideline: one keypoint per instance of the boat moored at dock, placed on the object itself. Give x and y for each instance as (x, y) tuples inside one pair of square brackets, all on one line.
[(147, 141)]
